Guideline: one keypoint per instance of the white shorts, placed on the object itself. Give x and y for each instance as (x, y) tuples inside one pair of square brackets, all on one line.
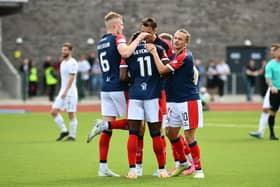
[(186, 114), (113, 104), (148, 110), (69, 103), (266, 102)]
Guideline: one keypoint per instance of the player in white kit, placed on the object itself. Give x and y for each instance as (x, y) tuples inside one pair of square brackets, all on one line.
[(67, 97)]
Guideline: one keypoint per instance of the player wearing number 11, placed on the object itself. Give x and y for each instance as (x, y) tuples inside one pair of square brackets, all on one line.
[(144, 93), (111, 49)]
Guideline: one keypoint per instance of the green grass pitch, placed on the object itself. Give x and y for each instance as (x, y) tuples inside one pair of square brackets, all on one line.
[(30, 156)]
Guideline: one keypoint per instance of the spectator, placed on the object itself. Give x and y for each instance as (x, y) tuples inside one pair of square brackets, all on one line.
[(25, 66), (33, 79), (96, 80), (263, 84), (51, 79), (46, 64), (24, 70), (201, 71), (212, 79), (251, 77), (223, 71), (83, 75), (57, 64), (91, 58)]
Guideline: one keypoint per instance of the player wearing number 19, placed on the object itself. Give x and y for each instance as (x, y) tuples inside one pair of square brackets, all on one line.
[(111, 49)]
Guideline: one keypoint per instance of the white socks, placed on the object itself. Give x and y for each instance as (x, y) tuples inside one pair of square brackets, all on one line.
[(189, 157), (73, 127), (103, 167), (262, 123), (177, 164), (139, 166), (60, 123), (132, 170)]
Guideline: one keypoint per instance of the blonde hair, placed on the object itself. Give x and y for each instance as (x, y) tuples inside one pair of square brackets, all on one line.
[(188, 35), (166, 36), (110, 16)]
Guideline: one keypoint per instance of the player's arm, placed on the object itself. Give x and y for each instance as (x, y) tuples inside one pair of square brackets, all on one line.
[(268, 79), (162, 69), (124, 74), (68, 85), (270, 85), (195, 76), (124, 71), (251, 73), (126, 50)]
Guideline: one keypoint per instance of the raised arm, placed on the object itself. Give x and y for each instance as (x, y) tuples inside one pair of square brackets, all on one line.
[(126, 50), (162, 69)]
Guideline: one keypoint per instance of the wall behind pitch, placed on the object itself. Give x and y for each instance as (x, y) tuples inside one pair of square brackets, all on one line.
[(214, 24)]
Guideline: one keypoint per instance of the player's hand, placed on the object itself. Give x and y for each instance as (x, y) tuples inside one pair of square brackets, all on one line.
[(150, 47), (143, 35), (63, 95), (274, 90)]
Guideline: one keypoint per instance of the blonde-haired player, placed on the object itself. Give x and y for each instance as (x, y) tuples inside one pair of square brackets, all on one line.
[(111, 48)]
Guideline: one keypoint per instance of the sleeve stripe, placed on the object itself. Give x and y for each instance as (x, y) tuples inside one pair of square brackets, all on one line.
[(170, 67), (164, 59), (123, 66)]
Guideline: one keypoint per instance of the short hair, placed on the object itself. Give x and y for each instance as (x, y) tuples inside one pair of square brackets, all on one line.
[(149, 22), (68, 45), (166, 36), (188, 38), (275, 46), (111, 15), (134, 36)]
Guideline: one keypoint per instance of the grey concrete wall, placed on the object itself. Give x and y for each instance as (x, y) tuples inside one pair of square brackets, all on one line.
[(45, 24)]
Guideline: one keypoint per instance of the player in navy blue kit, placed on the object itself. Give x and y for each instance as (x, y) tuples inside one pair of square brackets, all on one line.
[(149, 25), (111, 49), (183, 102), (144, 93)]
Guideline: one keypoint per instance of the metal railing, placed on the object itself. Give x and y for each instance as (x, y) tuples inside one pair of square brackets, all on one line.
[(236, 84), (9, 78)]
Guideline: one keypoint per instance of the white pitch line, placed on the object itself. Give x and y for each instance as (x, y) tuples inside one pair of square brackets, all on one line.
[(232, 125)]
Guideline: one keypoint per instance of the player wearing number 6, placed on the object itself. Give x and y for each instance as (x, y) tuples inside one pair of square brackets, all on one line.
[(111, 49), (183, 102)]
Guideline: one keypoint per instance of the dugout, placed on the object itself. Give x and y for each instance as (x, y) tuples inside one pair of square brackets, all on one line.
[(237, 58)]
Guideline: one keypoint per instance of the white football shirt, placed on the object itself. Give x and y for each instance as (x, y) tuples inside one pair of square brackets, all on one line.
[(68, 67)]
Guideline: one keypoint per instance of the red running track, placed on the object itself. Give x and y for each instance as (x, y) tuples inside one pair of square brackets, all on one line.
[(96, 107)]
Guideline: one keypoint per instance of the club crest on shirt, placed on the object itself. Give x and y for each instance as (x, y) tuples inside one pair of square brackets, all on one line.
[(144, 86), (108, 79)]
